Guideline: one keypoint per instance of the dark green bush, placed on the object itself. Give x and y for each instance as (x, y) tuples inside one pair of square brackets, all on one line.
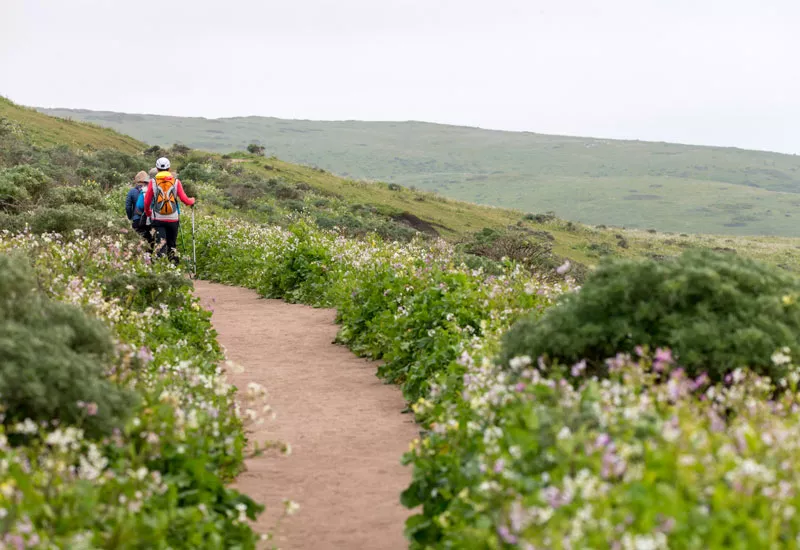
[(715, 311), (52, 356), (292, 205), (535, 254), (244, 193), (21, 186), (67, 218), (285, 191), (179, 149), (195, 172), (547, 217), (80, 196), (255, 149)]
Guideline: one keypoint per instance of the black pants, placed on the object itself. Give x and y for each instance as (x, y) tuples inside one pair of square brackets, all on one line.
[(146, 232), (167, 240)]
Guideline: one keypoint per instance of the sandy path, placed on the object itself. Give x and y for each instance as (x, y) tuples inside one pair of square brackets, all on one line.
[(344, 425)]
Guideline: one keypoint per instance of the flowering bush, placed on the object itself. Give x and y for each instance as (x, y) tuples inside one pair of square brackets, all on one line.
[(159, 479), (53, 359), (717, 312)]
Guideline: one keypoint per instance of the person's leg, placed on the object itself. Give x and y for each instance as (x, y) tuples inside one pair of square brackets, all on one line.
[(149, 236), (172, 241), (160, 238), (141, 230), (146, 233)]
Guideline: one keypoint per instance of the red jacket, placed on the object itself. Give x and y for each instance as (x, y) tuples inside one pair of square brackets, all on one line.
[(148, 199)]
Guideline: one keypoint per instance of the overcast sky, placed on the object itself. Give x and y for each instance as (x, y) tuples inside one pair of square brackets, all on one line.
[(717, 72)]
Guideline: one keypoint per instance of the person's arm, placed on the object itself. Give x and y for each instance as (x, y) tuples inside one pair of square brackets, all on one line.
[(182, 195), (148, 200), (129, 204)]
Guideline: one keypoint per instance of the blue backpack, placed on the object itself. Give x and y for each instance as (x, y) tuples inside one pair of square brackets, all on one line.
[(138, 210)]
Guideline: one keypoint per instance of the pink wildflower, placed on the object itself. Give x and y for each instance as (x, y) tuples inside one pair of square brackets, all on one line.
[(578, 368), (506, 535), (144, 355), (664, 355)]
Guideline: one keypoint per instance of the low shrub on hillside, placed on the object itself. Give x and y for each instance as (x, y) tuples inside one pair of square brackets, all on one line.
[(53, 357), (21, 187), (60, 190), (67, 219), (717, 312), (534, 251), (196, 172)]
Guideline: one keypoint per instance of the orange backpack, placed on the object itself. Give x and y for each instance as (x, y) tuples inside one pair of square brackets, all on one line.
[(165, 196)]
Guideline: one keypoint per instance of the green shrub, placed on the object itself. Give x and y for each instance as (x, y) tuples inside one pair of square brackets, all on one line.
[(533, 251), (255, 149), (179, 149), (67, 218), (547, 217), (244, 193), (292, 205), (490, 267), (21, 186), (301, 274), (716, 312), (82, 196), (195, 172), (53, 357), (285, 191)]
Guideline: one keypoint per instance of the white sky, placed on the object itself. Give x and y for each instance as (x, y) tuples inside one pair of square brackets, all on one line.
[(717, 72)]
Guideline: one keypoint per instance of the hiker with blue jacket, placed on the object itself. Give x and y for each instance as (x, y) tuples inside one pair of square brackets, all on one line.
[(134, 208)]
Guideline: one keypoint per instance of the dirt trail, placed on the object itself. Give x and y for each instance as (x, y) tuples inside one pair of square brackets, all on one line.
[(344, 425)]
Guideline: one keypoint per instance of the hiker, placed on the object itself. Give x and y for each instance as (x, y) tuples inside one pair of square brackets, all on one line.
[(162, 207), (134, 208)]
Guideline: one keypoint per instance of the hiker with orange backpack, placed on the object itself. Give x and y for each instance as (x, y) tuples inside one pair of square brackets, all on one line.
[(161, 203)]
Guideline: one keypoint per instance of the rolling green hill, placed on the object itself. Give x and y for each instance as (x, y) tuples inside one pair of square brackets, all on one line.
[(271, 191), (49, 131), (635, 184)]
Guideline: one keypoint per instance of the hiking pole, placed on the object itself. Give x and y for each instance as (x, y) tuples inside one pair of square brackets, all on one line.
[(183, 243), (194, 248)]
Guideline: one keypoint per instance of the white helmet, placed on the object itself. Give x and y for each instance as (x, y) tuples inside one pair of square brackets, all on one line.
[(162, 163)]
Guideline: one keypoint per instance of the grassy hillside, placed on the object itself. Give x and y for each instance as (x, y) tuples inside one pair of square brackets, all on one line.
[(460, 221), (635, 184), (48, 131), (269, 190)]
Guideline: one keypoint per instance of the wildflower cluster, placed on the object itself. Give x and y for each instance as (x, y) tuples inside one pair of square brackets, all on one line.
[(647, 458), (159, 478), (411, 305)]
